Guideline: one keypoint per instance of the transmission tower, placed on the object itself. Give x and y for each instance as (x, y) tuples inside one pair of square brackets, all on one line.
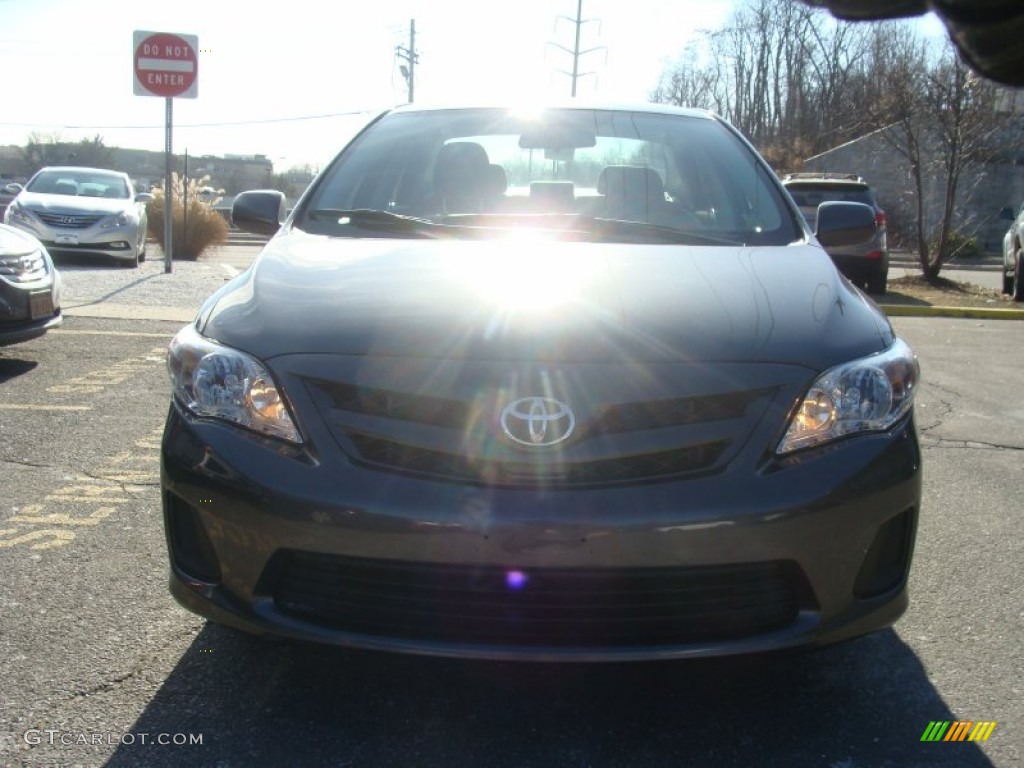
[(576, 53)]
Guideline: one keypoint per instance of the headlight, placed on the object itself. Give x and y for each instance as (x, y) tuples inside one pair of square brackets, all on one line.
[(16, 213), (213, 380), (866, 395), (120, 220)]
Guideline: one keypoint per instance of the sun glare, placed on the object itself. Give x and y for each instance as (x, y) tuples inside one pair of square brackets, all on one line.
[(530, 271)]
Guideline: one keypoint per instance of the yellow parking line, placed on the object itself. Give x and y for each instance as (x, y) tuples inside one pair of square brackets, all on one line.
[(15, 407)]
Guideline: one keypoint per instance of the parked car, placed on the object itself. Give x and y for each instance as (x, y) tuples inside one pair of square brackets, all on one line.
[(866, 264), (577, 383), (29, 288), (1013, 254), (83, 210)]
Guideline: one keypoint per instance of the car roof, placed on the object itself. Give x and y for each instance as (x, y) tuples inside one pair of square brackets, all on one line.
[(81, 169), (825, 179), (658, 109)]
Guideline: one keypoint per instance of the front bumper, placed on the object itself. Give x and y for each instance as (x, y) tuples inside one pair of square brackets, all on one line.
[(807, 551), (110, 242), (21, 316)]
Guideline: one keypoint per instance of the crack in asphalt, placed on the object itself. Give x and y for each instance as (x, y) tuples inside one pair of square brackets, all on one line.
[(25, 463), (944, 408), (121, 483), (930, 441)]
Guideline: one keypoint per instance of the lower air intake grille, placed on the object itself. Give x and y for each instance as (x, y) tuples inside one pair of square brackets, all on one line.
[(554, 607)]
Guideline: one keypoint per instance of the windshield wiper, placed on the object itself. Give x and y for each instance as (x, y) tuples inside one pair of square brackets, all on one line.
[(621, 230), (384, 221)]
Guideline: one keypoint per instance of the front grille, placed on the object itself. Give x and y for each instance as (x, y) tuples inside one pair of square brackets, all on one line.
[(23, 269), (650, 466), (388, 404), (552, 607), (462, 440), (656, 414), (68, 221)]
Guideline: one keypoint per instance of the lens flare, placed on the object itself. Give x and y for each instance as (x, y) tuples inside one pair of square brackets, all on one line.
[(515, 580)]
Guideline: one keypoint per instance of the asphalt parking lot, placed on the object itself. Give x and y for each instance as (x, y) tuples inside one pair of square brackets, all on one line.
[(102, 667)]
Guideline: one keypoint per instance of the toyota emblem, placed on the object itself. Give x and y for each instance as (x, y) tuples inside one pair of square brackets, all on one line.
[(537, 421)]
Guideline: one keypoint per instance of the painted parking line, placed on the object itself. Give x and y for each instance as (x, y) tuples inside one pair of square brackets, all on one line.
[(231, 271), (87, 500), (96, 381)]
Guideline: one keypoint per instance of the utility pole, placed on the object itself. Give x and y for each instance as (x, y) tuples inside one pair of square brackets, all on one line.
[(411, 57), (576, 53)]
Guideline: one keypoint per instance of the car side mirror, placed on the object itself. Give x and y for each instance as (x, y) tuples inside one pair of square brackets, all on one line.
[(1006, 214), (13, 188), (841, 223), (260, 211), (144, 197)]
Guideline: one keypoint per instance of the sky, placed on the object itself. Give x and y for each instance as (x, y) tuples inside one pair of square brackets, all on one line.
[(293, 80)]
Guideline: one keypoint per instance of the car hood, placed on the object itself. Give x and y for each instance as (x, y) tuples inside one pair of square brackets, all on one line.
[(14, 242), (71, 204), (531, 299)]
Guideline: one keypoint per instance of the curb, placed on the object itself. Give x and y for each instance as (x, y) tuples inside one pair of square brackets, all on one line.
[(982, 313)]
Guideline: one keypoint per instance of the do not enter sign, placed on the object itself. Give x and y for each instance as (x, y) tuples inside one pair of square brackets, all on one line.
[(166, 64)]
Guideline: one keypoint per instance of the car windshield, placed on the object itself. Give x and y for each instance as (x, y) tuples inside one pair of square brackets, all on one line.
[(816, 194), (80, 183), (599, 174)]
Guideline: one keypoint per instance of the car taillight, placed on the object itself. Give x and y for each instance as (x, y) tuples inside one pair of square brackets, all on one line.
[(873, 255), (880, 219)]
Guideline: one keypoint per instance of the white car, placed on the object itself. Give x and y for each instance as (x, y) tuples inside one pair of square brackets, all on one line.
[(1013, 254), (83, 210)]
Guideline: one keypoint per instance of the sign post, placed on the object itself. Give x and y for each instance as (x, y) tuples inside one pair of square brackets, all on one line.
[(166, 65)]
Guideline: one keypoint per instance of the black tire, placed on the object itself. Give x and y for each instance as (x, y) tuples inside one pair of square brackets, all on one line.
[(878, 285), (1007, 283)]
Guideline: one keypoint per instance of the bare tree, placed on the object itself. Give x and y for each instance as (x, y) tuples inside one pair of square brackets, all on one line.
[(941, 119), (798, 83), (961, 108), (40, 151)]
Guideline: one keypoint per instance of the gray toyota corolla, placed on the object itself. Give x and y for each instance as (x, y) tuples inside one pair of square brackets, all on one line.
[(565, 384)]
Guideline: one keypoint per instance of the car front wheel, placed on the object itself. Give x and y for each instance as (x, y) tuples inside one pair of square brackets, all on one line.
[(1018, 278), (133, 262)]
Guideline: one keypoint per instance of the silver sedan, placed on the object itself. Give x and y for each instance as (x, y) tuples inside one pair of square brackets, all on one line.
[(83, 210)]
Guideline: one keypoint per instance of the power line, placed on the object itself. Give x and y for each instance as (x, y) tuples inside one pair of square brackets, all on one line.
[(191, 125)]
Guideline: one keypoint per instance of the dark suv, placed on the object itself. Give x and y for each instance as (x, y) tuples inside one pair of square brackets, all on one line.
[(866, 264)]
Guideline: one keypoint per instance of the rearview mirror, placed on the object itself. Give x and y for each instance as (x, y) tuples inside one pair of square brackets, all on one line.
[(556, 137)]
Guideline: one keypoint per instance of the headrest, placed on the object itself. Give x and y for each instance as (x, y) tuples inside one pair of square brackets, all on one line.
[(459, 163), (631, 181)]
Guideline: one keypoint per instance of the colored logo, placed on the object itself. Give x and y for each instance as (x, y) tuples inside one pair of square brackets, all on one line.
[(958, 730)]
